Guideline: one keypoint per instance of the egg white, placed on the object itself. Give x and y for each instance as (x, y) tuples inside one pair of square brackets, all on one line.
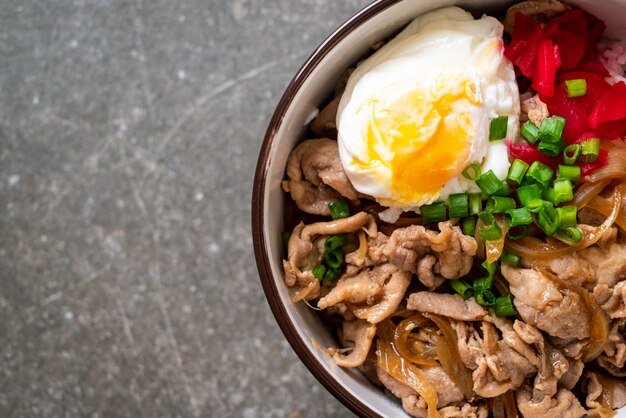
[(442, 53)]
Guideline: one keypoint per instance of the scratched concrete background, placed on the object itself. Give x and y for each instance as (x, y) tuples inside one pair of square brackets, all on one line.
[(129, 132)]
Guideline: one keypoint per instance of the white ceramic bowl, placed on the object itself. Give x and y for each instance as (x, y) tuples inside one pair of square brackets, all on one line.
[(312, 85)]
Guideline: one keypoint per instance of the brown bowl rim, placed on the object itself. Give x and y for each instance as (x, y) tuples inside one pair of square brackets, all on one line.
[(260, 251)]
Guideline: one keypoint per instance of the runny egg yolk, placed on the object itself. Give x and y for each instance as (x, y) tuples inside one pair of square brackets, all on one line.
[(424, 143)]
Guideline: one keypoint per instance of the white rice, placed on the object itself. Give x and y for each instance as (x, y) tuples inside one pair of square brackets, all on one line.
[(613, 55)]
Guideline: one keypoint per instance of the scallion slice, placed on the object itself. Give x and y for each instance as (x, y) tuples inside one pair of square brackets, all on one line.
[(433, 213), (475, 203), (490, 232), (551, 149), (517, 217), (551, 129), (536, 205), (576, 88), (469, 225), (530, 132), (568, 215), (503, 306), (571, 234), (339, 209), (509, 258), (334, 258), (571, 153), (517, 232), (569, 172), (318, 272), (541, 173), (336, 241), (485, 298), (472, 172), (489, 183), (548, 220), (517, 171), (458, 205), (332, 274), (497, 204), (498, 127), (589, 150), (461, 287), (528, 193), (563, 190), (549, 195)]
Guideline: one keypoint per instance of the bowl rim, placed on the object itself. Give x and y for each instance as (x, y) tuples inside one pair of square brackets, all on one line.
[(270, 288)]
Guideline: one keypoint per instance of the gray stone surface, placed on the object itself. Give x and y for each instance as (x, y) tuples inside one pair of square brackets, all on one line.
[(129, 132)]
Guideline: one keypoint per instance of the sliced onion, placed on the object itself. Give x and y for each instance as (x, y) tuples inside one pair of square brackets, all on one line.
[(598, 322), (535, 249), (408, 374), (602, 205), (601, 413), (493, 248), (385, 330), (400, 336), (588, 191), (450, 358), (615, 168)]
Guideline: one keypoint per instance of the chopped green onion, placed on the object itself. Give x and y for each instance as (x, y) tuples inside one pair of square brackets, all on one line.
[(339, 209), (490, 267), (551, 129), (490, 232), (336, 241), (571, 234), (489, 183), (550, 195), (504, 190), (319, 271), (517, 217), (568, 215), (482, 283), (551, 149), (497, 204), (535, 206), (548, 220), (517, 232), (475, 203), (458, 205), (571, 153), (332, 274), (510, 259), (469, 225), (472, 172), (563, 190), (497, 128), (485, 297), (461, 287), (530, 132), (576, 88), (334, 258), (589, 150), (569, 172), (503, 306), (517, 171), (541, 173), (528, 193), (433, 213)]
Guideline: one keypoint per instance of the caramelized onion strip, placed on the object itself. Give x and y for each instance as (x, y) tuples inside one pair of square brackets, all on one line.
[(602, 205), (493, 248), (408, 374), (400, 336), (588, 191), (598, 322), (450, 358), (615, 168), (535, 249)]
